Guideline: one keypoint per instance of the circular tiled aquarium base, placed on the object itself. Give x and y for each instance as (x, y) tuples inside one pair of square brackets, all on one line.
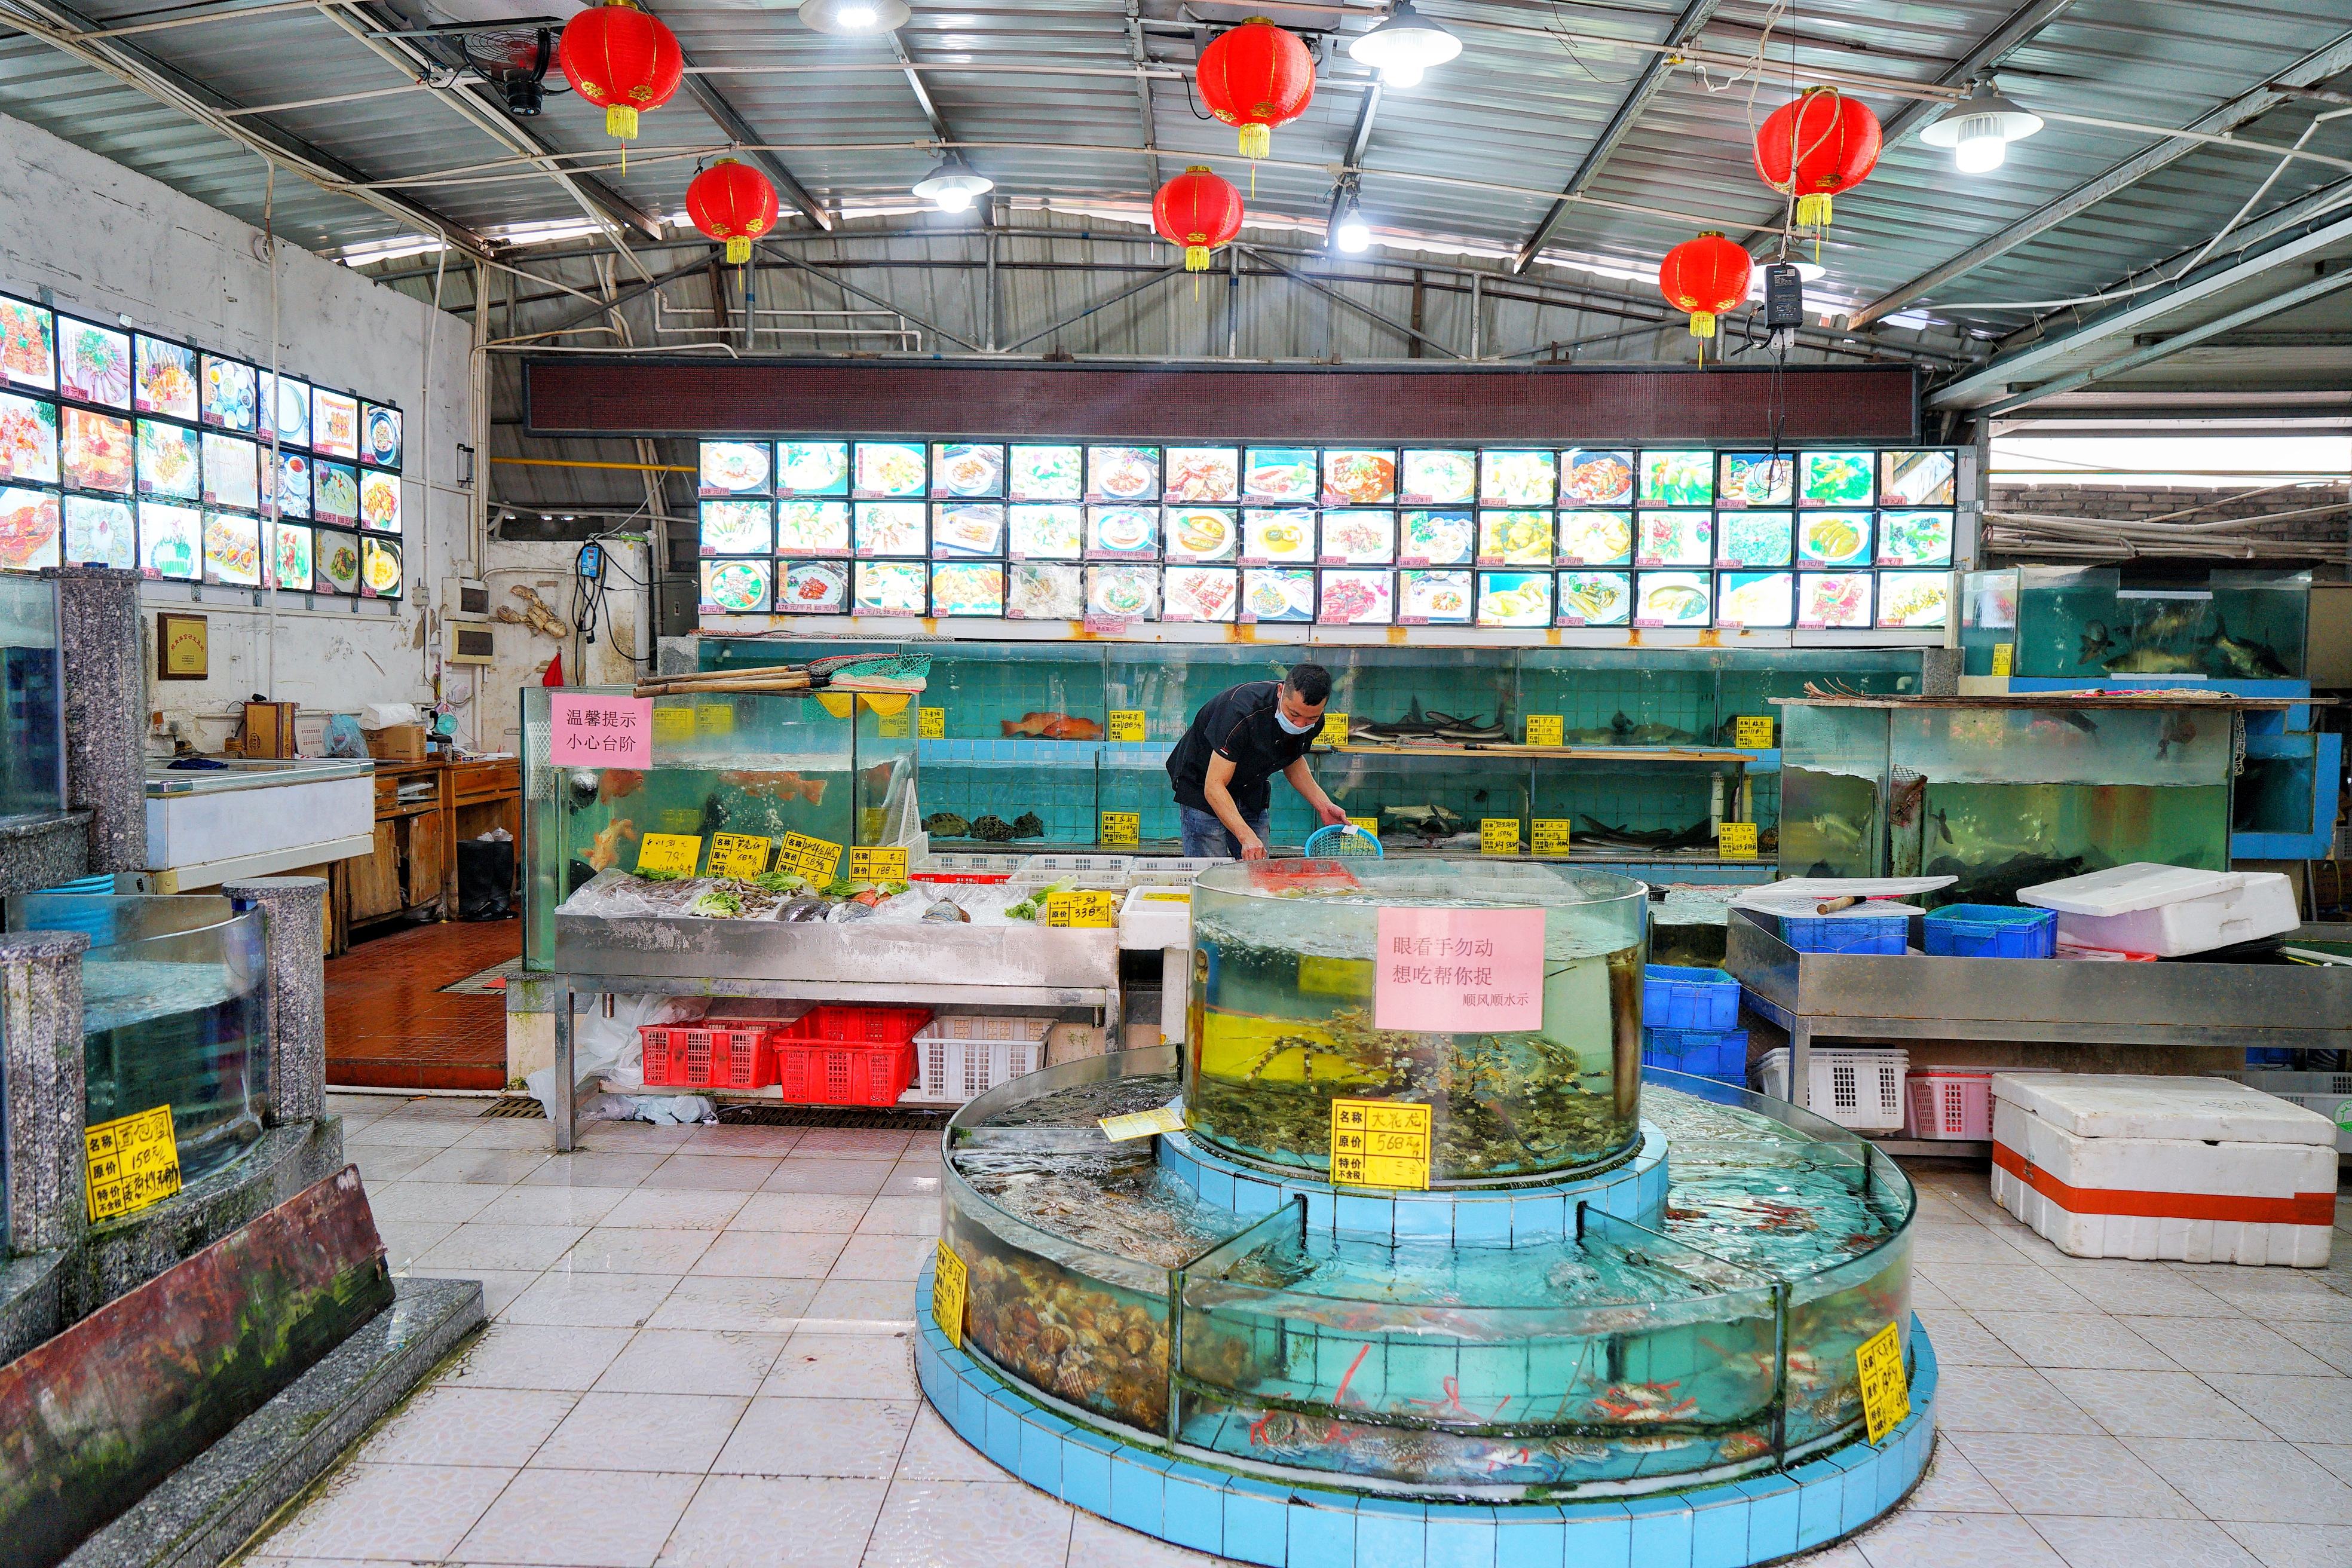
[(1208, 1508)]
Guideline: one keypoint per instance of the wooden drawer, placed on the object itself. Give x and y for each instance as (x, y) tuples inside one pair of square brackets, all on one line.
[(486, 781)]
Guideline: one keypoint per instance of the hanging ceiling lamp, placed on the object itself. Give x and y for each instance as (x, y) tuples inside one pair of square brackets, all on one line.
[(1707, 277), (954, 184), (1198, 211), (734, 203), (1980, 128), (851, 18), (1351, 233), (623, 62), (1403, 46), (1823, 143), (1256, 77)]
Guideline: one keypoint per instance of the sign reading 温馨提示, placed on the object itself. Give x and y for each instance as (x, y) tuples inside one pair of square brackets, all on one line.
[(599, 732), (1446, 971)]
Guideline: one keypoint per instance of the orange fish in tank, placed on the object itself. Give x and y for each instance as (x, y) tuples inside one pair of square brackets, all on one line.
[(618, 783), (1050, 727), (778, 786), (606, 853)]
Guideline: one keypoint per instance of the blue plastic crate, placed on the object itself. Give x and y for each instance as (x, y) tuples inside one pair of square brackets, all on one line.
[(1846, 933), (1677, 998), (2270, 1056), (1719, 1054), (1991, 930)]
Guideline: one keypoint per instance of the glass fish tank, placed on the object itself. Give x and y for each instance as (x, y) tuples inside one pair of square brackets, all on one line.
[(1711, 1338), (1507, 997), (32, 759), (175, 1011), (2086, 623)]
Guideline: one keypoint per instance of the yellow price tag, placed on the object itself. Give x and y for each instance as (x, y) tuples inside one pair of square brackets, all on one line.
[(894, 725), (132, 1161), (1336, 976), (675, 852), (1379, 1143), (1886, 1391), (715, 719), (1498, 835), (680, 819), (949, 1279), (2003, 655), (1122, 829), (1547, 730), (1334, 732), (811, 857), (1752, 734), (736, 854), (877, 865), (1082, 909), (1549, 835), (1143, 1123), (931, 724), (1371, 825), (1735, 841), (673, 723), (1127, 724)]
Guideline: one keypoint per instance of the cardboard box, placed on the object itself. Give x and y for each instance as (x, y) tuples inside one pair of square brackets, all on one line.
[(397, 744), (270, 730)]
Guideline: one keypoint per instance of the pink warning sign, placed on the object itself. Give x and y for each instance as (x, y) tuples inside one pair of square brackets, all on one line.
[(1459, 971), (589, 731)]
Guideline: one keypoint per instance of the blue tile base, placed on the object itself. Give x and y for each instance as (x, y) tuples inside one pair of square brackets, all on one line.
[(1253, 1519)]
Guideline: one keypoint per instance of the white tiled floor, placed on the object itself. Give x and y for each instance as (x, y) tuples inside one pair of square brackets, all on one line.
[(700, 1359)]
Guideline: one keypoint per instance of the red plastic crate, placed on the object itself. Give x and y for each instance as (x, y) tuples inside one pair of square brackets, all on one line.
[(1948, 1102), (857, 1025), (826, 1072), (710, 1053)]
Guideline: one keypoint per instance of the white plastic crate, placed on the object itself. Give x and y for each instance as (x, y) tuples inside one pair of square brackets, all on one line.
[(964, 868), (960, 1055), (1170, 870), (1064, 865), (1859, 1088), (1093, 881), (1948, 1103), (2329, 1093)]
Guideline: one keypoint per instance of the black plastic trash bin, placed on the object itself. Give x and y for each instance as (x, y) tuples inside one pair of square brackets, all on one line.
[(486, 871)]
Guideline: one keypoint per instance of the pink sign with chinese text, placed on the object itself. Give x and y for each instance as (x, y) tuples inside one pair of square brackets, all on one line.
[(595, 731), (1459, 971)]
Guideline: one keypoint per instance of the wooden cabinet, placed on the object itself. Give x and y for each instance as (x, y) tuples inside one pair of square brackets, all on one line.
[(372, 881), (413, 867)]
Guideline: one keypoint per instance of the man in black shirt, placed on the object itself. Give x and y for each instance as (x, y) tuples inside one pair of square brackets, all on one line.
[(1240, 739)]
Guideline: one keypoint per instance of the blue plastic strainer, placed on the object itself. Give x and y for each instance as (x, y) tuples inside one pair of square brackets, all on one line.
[(1342, 838)]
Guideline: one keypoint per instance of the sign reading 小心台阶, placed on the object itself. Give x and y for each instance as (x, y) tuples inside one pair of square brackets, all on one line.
[(1448, 971), (599, 732)]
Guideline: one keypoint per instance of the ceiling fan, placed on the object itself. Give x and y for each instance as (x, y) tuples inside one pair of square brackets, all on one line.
[(512, 55)]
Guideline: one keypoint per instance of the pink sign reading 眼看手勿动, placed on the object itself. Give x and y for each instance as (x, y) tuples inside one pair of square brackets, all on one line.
[(1442, 971), (589, 731)]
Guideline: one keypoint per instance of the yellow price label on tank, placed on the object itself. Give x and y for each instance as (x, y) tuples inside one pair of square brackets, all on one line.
[(1498, 835), (132, 1161), (675, 854), (1379, 1143), (1143, 1123), (811, 857), (1371, 825), (1735, 841), (893, 725), (1082, 909), (1546, 730), (950, 1280), (1886, 1391), (1335, 976), (1122, 829), (931, 724), (1127, 724), (877, 865), (2003, 656), (1751, 734), (1549, 835), (737, 853), (674, 723), (715, 719), (1334, 732)]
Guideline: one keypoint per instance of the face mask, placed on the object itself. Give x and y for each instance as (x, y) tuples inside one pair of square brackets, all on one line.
[(1291, 729)]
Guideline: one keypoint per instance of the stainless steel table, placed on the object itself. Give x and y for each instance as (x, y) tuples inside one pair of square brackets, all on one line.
[(1913, 997)]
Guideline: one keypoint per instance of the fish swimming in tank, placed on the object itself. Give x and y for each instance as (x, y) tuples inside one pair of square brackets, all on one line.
[(947, 825), (606, 853), (2178, 730), (1050, 727), (618, 783), (2242, 659), (2131, 656), (778, 786)]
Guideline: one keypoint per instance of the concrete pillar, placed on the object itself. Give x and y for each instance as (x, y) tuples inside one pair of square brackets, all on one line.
[(106, 709), (295, 940), (41, 1038)]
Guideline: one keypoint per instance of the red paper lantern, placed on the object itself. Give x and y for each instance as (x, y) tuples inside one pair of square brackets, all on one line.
[(733, 202), (1707, 277), (1823, 143), (1256, 76), (621, 60), (1198, 211)]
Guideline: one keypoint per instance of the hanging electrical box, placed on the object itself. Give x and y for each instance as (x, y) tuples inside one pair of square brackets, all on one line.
[(464, 644), (465, 599)]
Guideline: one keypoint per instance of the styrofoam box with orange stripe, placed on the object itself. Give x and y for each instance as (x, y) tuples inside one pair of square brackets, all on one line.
[(2198, 1170)]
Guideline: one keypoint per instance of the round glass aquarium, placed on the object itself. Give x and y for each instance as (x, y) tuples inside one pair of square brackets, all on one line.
[(1507, 996)]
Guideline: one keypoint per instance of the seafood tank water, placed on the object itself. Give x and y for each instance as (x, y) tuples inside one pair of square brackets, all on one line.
[(1289, 999), (1615, 1285), (174, 1012)]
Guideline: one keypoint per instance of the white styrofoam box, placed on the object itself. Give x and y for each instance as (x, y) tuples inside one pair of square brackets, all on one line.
[(960, 1055), (2131, 1105), (2168, 910), (2188, 1199), (1156, 917), (2329, 1093), (1857, 1088), (208, 827)]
